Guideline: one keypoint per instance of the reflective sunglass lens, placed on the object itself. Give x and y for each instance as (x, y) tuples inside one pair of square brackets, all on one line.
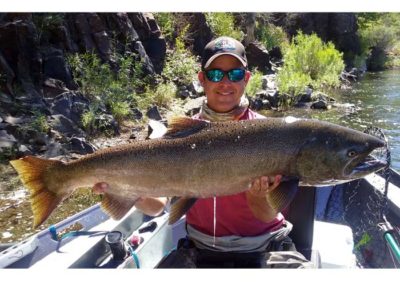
[(236, 75), (215, 75)]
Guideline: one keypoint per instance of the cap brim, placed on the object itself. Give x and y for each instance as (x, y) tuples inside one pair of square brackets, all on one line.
[(212, 58)]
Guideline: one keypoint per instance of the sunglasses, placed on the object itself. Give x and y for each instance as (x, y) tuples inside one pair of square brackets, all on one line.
[(234, 75)]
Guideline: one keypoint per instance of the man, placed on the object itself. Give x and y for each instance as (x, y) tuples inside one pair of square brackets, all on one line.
[(236, 230)]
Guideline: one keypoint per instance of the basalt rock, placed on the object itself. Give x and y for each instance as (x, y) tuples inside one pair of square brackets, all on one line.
[(71, 105), (258, 57), (200, 32), (55, 67), (21, 59), (33, 49)]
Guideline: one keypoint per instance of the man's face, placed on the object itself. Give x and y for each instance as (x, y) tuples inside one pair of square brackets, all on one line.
[(225, 95)]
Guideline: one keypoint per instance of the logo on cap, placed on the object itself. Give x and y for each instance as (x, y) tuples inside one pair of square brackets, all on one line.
[(225, 44)]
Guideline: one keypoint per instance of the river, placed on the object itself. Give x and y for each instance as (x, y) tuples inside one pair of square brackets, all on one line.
[(376, 98)]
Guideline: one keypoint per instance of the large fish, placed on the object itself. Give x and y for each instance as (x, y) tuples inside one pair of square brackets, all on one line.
[(198, 158)]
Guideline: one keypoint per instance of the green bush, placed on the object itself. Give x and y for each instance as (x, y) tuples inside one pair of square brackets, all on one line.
[(39, 123), (394, 57), (166, 23), (102, 86), (45, 23), (271, 36), (93, 77), (378, 37), (162, 95), (181, 67), (309, 61), (255, 83), (223, 24), (88, 119), (120, 110), (379, 32)]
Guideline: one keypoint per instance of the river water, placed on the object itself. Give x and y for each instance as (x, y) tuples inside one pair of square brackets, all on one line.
[(376, 98)]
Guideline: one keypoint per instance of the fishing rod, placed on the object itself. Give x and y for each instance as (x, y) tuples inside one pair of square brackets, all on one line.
[(389, 234)]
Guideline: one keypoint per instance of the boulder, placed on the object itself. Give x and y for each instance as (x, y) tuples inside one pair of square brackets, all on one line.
[(193, 106), (53, 87), (19, 44), (71, 105), (80, 146), (55, 67), (65, 126), (7, 140), (153, 113), (258, 57), (200, 32)]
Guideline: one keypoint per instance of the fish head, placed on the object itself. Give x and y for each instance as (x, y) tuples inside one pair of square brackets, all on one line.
[(337, 155)]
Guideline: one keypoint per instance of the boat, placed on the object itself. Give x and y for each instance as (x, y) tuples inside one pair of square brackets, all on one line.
[(90, 239)]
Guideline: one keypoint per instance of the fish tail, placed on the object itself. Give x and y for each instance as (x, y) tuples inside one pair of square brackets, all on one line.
[(32, 171)]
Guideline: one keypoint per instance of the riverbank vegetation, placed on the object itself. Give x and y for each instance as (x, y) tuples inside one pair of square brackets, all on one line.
[(380, 40), (307, 62)]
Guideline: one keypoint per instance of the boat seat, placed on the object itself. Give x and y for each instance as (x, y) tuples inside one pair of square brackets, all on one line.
[(301, 214)]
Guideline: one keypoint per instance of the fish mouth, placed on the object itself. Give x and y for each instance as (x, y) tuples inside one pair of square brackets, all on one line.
[(364, 167)]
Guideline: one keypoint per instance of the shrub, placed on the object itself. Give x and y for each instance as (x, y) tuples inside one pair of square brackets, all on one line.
[(45, 23), (379, 34), (271, 36), (101, 85), (255, 83), (93, 77), (87, 119), (166, 23), (39, 123), (181, 67), (309, 61), (104, 87), (120, 110), (223, 24), (394, 56), (162, 95)]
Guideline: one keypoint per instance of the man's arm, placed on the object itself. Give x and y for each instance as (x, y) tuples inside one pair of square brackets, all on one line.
[(256, 197)]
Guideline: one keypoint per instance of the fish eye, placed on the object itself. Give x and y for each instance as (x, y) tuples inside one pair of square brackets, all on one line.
[(351, 153)]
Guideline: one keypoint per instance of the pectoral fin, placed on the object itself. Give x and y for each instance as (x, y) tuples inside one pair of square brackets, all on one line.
[(281, 196), (179, 206), (117, 206)]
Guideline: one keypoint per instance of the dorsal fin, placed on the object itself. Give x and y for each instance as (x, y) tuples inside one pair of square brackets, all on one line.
[(180, 127)]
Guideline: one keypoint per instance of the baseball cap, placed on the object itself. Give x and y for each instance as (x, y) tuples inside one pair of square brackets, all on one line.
[(220, 46)]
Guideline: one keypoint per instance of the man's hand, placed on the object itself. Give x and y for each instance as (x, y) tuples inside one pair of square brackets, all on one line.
[(263, 185), (256, 197)]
